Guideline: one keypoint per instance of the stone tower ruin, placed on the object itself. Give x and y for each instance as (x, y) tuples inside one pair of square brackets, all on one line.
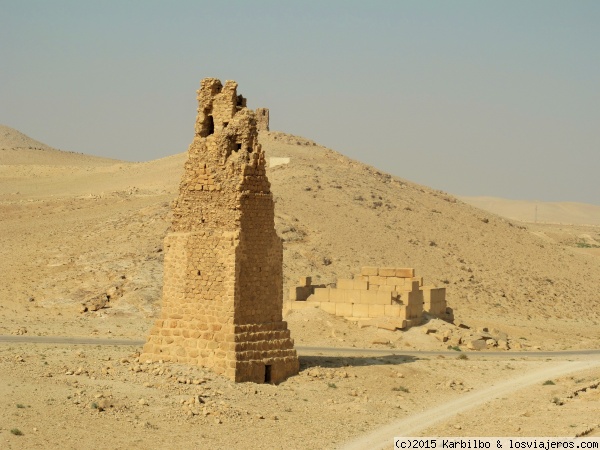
[(223, 282), (262, 119)]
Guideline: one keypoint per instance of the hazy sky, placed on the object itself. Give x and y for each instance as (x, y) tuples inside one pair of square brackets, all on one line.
[(472, 97)]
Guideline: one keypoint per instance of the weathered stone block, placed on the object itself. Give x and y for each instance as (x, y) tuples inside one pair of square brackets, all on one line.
[(360, 285), (338, 295), (384, 297), (368, 297), (387, 272), (391, 310), (376, 280), (329, 307), (394, 281), (343, 309), (367, 270), (377, 310), (404, 272), (403, 312), (387, 288), (345, 284), (353, 296), (359, 310), (321, 294)]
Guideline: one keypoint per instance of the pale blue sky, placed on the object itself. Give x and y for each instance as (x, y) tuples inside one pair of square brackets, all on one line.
[(471, 97)]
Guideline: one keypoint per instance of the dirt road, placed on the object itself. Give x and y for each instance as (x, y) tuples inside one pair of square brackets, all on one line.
[(309, 350), (411, 426)]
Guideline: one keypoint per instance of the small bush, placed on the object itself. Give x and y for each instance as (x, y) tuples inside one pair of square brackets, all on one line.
[(462, 356), (456, 348), (549, 383), (20, 405), (332, 385), (94, 405), (16, 432), (400, 389)]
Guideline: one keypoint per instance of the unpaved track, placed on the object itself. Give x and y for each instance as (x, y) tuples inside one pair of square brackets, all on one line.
[(305, 350), (411, 426)]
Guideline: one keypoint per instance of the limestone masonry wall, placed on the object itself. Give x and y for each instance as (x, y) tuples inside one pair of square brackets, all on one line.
[(377, 292), (262, 119), (223, 281)]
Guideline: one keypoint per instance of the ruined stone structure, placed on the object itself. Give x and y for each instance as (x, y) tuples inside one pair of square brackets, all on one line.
[(262, 119), (377, 292), (223, 282)]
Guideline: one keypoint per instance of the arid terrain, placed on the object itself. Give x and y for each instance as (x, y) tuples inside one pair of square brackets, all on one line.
[(76, 229)]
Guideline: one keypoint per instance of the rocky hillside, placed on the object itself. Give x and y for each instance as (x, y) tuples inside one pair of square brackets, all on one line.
[(87, 229), (17, 148), (336, 214)]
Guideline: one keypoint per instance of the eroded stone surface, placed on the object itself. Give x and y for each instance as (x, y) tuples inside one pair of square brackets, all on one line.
[(223, 282)]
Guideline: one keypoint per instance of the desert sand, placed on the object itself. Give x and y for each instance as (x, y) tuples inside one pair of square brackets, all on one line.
[(75, 228)]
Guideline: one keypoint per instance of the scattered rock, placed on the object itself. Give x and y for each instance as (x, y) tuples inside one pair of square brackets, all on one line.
[(104, 404), (476, 344), (503, 345), (95, 303)]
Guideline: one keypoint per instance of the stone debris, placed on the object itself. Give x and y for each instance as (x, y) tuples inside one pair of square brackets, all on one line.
[(223, 264), (476, 344), (95, 303)]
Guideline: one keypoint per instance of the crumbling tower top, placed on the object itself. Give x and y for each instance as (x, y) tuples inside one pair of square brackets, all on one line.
[(217, 104)]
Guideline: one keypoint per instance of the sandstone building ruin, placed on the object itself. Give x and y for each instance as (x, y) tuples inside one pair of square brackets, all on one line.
[(262, 119), (223, 281), (378, 292)]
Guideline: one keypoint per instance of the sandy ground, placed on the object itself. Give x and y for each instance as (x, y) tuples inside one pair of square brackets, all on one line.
[(77, 396), (73, 227)]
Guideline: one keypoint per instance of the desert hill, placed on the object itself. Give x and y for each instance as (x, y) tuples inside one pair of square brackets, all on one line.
[(539, 212), (70, 233), (18, 149), (11, 138)]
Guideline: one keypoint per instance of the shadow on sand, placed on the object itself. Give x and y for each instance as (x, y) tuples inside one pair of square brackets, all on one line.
[(307, 362)]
